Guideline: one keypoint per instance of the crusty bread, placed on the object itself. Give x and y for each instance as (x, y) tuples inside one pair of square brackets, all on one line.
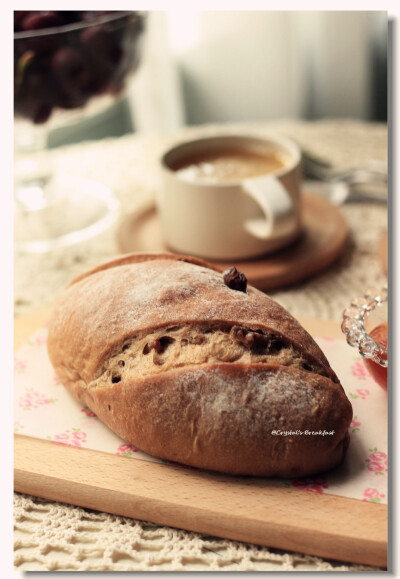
[(187, 369)]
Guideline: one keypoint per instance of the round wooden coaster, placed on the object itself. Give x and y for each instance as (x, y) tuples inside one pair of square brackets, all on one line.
[(321, 242)]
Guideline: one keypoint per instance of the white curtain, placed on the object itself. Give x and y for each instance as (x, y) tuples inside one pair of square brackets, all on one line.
[(201, 67)]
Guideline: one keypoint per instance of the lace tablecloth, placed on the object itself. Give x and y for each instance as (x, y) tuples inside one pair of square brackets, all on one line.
[(54, 536)]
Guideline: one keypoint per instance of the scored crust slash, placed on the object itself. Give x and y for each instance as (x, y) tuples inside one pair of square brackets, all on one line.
[(193, 366)]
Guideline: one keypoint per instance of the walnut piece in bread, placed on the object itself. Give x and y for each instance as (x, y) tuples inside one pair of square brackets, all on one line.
[(188, 369)]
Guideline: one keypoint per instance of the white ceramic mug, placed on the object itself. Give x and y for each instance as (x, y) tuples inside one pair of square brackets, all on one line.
[(231, 220)]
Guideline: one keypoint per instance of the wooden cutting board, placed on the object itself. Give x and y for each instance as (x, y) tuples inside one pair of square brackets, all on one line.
[(239, 508)]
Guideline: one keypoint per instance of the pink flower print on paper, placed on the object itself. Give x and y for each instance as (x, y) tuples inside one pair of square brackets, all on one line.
[(32, 399), (359, 371), (126, 450), (317, 485), (372, 496), (360, 393), (19, 365), (38, 341), (73, 437), (56, 380), (354, 424), (377, 461), (88, 412), (17, 426)]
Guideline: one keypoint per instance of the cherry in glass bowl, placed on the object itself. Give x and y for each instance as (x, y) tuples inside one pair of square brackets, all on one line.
[(63, 59), (68, 65), (365, 325)]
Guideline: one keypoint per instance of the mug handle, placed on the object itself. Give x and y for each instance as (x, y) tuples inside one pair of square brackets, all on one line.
[(271, 196)]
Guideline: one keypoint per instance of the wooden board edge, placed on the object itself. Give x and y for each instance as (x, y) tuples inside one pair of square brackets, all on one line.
[(326, 525)]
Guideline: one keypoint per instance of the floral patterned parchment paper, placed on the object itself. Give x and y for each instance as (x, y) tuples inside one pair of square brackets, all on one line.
[(44, 409)]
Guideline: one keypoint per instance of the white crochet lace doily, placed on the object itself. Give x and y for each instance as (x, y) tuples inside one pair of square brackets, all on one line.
[(53, 536)]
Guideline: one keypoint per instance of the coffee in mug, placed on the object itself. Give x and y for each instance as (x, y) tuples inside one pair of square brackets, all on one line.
[(227, 165), (230, 197)]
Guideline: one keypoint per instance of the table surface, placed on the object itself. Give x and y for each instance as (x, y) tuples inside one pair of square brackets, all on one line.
[(54, 536)]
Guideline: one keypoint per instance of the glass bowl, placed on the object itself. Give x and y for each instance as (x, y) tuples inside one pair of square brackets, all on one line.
[(365, 327), (71, 58), (68, 65)]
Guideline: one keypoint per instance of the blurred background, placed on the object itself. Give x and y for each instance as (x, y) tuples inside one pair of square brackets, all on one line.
[(317, 77), (211, 67)]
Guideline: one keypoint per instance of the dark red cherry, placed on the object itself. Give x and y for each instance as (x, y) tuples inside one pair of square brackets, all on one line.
[(41, 20)]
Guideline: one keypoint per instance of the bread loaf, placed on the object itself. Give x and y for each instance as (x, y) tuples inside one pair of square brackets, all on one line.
[(189, 365)]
